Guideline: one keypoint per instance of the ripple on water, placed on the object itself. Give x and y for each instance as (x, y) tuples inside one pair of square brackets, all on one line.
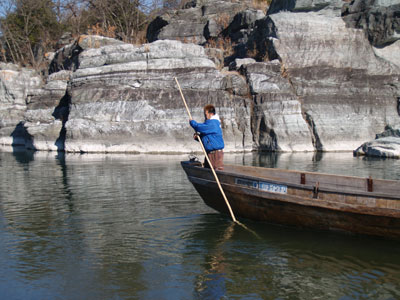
[(132, 227)]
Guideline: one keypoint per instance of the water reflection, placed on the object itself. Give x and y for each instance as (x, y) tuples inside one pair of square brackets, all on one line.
[(22, 155), (333, 163), (132, 227)]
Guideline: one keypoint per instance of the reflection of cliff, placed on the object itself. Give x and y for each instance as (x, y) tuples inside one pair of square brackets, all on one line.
[(34, 206), (330, 163), (69, 195), (23, 156), (50, 233)]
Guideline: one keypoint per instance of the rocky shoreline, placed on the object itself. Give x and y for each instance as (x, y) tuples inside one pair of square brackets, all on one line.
[(304, 76)]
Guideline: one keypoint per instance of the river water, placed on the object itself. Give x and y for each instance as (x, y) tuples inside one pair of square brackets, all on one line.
[(133, 227)]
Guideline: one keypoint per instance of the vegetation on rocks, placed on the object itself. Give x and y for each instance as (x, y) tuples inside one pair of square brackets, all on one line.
[(31, 28)]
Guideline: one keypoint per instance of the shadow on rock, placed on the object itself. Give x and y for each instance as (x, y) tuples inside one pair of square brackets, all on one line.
[(61, 112), (22, 138)]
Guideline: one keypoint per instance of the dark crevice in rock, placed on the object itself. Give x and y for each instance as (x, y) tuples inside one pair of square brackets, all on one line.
[(61, 112), (190, 4), (206, 32), (203, 10), (66, 59), (255, 123), (154, 29), (244, 126), (267, 139), (398, 105), (314, 133), (264, 136), (298, 6), (261, 40), (281, 5)]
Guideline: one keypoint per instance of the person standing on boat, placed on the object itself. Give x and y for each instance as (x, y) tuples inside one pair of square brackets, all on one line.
[(210, 133)]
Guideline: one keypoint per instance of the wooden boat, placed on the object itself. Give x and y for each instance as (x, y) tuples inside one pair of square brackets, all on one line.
[(303, 199)]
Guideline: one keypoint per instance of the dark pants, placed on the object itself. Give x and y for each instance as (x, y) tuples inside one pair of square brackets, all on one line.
[(216, 158)]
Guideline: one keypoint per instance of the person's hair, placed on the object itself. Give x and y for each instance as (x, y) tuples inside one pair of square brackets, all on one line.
[(210, 108)]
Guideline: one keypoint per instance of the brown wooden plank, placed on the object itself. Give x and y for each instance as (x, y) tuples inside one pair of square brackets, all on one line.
[(326, 181)]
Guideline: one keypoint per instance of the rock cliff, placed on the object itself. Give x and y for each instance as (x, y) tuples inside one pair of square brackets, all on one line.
[(125, 99), (325, 77), (118, 97), (346, 91), (197, 21)]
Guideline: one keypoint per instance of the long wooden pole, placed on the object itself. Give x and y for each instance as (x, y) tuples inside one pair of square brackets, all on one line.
[(209, 162)]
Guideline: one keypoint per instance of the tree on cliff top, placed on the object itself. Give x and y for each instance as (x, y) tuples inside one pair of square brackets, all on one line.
[(125, 18), (28, 29)]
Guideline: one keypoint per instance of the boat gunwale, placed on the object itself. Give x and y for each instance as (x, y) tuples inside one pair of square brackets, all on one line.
[(308, 172), (307, 186), (310, 202)]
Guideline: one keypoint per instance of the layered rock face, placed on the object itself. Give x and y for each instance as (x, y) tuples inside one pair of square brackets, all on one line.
[(125, 99), (277, 119), (17, 88), (347, 93), (324, 80), (118, 97)]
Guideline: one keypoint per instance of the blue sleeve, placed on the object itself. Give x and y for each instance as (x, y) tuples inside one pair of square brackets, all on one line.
[(207, 127)]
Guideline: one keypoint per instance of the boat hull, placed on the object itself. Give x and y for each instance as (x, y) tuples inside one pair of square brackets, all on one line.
[(291, 209)]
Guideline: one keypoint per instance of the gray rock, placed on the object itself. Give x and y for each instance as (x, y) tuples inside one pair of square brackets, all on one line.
[(390, 53), (278, 123), (239, 62), (216, 55), (243, 25), (235, 83), (64, 40), (164, 54), (379, 19), (66, 58), (131, 98), (197, 23), (19, 88), (389, 132), (325, 64), (386, 147), (305, 6)]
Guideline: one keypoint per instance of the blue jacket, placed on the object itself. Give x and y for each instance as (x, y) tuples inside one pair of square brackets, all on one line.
[(210, 133)]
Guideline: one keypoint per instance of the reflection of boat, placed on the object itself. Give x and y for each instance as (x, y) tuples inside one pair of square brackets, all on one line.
[(313, 200)]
